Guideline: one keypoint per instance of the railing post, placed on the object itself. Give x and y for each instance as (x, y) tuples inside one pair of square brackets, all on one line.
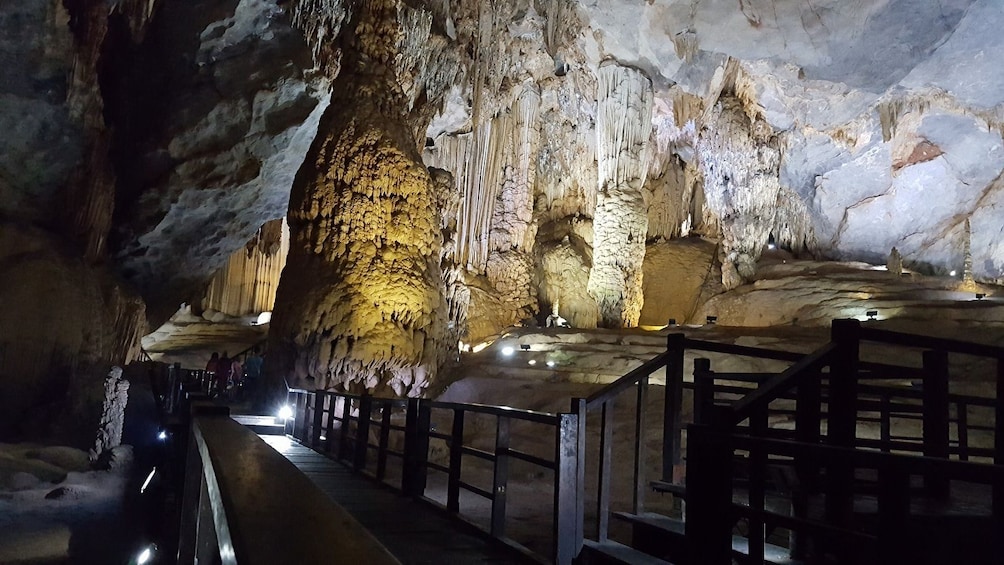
[(567, 489), (842, 418), (709, 496), (672, 423), (885, 423), (893, 511), (936, 421), (410, 472), (329, 432), (998, 496), (808, 410), (757, 490), (316, 420), (704, 391), (579, 409), (501, 481), (300, 417), (456, 462), (424, 427), (962, 429), (289, 425), (361, 446), (343, 433), (639, 447), (606, 464), (385, 414)]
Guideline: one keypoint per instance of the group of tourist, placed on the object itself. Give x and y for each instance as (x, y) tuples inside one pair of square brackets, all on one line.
[(233, 380)]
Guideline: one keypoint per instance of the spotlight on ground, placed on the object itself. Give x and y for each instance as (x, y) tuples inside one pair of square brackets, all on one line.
[(872, 314), (508, 350), (286, 412), (551, 363), (145, 555), (149, 478), (531, 362)]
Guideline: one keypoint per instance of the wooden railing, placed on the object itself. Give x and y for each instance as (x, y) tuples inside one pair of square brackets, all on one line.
[(723, 429), (351, 427)]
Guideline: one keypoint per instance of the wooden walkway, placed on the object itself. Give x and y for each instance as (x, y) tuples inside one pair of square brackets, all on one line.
[(412, 531)]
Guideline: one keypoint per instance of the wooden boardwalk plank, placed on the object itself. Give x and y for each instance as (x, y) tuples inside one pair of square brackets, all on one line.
[(415, 533)]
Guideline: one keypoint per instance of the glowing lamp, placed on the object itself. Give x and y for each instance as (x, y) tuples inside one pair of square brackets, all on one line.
[(951, 273), (162, 435), (286, 412)]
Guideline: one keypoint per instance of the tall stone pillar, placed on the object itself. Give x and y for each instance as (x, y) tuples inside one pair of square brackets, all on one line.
[(358, 304), (620, 223)]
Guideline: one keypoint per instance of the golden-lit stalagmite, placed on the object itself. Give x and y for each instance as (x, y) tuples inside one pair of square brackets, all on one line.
[(359, 300), (620, 224)]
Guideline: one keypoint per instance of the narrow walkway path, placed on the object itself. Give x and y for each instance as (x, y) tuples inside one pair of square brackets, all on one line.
[(413, 532)]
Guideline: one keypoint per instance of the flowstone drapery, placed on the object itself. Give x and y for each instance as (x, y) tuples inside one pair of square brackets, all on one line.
[(359, 301)]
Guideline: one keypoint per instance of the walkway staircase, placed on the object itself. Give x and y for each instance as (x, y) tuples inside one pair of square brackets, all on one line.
[(832, 460)]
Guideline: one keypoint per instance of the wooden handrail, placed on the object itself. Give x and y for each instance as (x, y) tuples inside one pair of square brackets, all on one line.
[(250, 489), (783, 382), (743, 350), (865, 459), (928, 342), (627, 381)]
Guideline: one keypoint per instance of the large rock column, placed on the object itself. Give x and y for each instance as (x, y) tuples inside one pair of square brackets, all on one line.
[(739, 159), (620, 224), (359, 298)]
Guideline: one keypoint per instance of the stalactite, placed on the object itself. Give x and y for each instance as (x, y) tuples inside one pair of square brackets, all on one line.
[(321, 21), (685, 45), (512, 222), (248, 282), (620, 224)]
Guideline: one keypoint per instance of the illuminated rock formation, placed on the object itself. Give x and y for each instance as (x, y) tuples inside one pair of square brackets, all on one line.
[(360, 299), (620, 223)]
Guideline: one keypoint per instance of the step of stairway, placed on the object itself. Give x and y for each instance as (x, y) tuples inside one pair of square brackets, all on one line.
[(611, 552), (666, 535)]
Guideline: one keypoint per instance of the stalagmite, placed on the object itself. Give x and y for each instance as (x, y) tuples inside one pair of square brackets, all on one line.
[(109, 433), (620, 224), (359, 303)]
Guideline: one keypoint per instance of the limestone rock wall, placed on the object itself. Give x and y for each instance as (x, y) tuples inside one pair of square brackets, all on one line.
[(217, 104), (65, 324)]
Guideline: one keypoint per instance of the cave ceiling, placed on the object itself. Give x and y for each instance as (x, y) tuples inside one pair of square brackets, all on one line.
[(860, 126)]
